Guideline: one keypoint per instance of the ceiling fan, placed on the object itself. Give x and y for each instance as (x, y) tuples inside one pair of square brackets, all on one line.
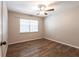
[(43, 9)]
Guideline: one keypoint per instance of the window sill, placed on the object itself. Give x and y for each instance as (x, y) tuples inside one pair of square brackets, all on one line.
[(27, 32)]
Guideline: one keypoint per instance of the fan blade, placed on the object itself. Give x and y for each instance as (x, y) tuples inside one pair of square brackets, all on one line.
[(50, 10)]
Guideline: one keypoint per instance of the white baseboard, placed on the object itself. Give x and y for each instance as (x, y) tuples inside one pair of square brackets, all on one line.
[(23, 41), (48, 39), (62, 42)]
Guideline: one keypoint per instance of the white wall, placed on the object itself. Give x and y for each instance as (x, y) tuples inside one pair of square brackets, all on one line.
[(14, 28), (63, 24)]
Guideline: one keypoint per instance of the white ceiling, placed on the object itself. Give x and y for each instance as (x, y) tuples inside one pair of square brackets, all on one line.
[(27, 7), (31, 7)]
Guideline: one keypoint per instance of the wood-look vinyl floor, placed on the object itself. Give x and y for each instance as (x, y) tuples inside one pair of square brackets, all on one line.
[(41, 48)]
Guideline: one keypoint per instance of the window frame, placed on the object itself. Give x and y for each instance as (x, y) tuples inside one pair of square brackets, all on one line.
[(29, 26)]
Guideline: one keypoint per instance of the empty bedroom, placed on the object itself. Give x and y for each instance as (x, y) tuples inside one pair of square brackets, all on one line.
[(39, 28)]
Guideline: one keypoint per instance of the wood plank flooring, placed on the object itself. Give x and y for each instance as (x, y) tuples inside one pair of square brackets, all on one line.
[(41, 48)]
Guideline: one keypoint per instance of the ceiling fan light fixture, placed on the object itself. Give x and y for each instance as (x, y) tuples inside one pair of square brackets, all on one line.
[(43, 10)]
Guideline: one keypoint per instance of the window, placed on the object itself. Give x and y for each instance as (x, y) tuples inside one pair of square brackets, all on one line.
[(28, 25)]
